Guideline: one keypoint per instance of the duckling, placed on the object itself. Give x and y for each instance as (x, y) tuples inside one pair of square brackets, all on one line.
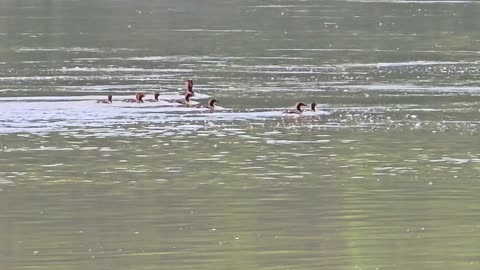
[(298, 108), (138, 98), (155, 98), (106, 101), (210, 104), (186, 102)]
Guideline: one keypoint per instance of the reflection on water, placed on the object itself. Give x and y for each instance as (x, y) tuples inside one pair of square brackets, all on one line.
[(383, 176)]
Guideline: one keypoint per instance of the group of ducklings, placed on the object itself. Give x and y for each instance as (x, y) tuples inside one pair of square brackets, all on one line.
[(187, 102)]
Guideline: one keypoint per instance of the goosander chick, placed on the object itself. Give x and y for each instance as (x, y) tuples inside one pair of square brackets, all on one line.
[(313, 106), (210, 104), (106, 101), (155, 98), (186, 102), (138, 98), (298, 108)]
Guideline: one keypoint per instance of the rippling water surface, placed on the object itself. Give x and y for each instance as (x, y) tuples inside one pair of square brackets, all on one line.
[(384, 175)]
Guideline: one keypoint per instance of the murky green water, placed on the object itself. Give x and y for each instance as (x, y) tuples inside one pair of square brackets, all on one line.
[(383, 176)]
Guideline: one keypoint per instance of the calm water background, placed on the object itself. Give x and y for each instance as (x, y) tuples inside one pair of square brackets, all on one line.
[(384, 177)]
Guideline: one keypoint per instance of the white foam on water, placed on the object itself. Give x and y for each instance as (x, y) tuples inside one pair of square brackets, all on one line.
[(456, 161)]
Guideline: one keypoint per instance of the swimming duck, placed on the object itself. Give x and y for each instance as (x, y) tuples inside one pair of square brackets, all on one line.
[(298, 108), (106, 101), (210, 104), (155, 98), (138, 98), (186, 102)]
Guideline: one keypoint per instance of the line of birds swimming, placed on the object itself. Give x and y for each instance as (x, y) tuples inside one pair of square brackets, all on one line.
[(187, 102)]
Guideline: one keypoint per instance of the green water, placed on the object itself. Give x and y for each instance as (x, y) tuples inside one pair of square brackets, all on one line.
[(384, 176)]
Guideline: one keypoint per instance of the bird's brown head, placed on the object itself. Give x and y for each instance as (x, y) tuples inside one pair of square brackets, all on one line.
[(299, 106), (156, 96), (313, 106), (139, 97), (212, 102)]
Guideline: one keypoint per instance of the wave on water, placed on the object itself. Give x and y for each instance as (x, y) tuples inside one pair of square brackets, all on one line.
[(183, 58), (408, 88), (124, 69), (321, 50), (408, 63), (414, 1), (70, 49), (287, 6), (63, 114), (216, 30), (82, 116)]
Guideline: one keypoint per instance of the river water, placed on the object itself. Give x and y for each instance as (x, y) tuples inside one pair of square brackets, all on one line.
[(383, 176)]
